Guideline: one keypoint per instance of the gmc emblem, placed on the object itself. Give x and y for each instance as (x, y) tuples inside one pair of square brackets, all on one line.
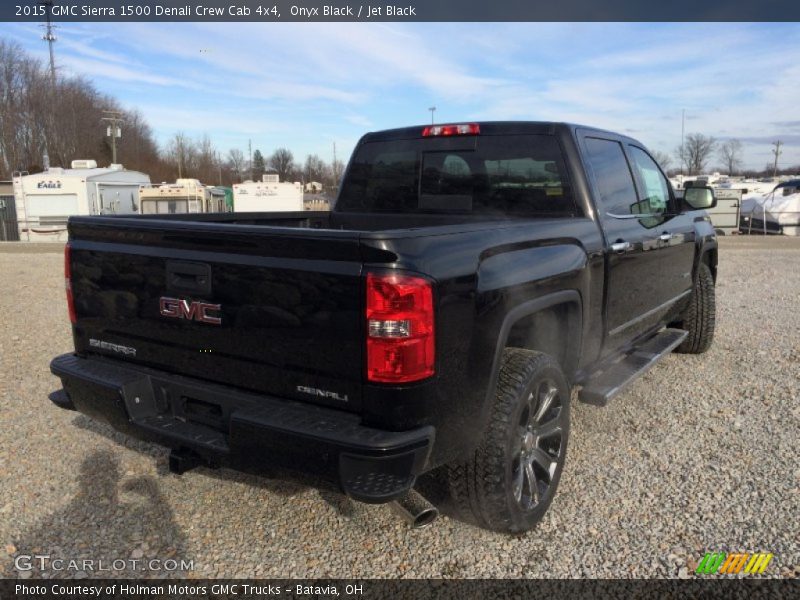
[(194, 310)]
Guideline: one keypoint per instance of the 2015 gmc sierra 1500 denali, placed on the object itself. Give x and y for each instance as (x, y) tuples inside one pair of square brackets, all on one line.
[(468, 278)]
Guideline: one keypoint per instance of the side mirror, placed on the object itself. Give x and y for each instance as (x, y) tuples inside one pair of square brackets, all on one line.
[(699, 198)]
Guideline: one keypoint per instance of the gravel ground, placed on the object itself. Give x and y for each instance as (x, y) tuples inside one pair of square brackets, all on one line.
[(699, 455)]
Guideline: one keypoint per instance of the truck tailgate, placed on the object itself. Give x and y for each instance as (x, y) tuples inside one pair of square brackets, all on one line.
[(276, 310)]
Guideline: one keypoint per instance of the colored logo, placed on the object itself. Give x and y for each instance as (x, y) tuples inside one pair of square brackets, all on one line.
[(734, 563)]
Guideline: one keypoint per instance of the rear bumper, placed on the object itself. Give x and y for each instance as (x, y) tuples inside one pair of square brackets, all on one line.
[(245, 431)]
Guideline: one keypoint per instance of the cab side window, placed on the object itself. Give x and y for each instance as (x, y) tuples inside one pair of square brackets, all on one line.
[(654, 197)]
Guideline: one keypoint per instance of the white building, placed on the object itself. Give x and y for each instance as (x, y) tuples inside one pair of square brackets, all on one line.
[(45, 200), (269, 195)]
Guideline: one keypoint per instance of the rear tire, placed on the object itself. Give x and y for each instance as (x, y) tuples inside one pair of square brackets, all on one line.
[(508, 483), (699, 317)]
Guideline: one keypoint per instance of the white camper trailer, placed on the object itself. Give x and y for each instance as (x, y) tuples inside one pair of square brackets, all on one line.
[(183, 196), (45, 200), (269, 195)]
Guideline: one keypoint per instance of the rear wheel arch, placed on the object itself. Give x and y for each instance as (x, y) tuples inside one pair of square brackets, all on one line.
[(561, 310), (549, 331)]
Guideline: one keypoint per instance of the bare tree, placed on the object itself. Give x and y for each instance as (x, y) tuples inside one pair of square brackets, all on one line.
[(206, 161), (730, 152), (236, 162), (314, 169), (179, 154), (282, 160), (63, 118), (696, 151), (337, 170), (663, 159)]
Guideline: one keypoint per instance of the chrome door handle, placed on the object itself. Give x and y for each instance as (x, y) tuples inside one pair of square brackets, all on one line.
[(665, 237), (620, 247)]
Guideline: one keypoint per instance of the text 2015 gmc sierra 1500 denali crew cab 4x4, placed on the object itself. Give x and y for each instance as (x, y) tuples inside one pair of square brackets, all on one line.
[(467, 279)]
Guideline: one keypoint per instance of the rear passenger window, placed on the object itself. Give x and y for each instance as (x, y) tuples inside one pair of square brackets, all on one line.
[(612, 176)]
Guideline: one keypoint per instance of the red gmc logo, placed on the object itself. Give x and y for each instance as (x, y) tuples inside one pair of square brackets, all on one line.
[(193, 310)]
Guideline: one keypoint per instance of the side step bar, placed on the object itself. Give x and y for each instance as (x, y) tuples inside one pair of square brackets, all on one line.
[(602, 387)]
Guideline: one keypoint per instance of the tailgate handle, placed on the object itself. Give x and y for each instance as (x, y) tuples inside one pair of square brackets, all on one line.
[(189, 277)]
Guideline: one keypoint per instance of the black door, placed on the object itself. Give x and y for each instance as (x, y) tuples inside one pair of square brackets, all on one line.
[(633, 280), (674, 232)]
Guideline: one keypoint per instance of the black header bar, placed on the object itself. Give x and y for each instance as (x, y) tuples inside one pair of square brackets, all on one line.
[(403, 10), (374, 589)]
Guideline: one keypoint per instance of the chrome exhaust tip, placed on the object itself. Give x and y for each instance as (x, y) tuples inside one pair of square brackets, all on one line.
[(415, 510)]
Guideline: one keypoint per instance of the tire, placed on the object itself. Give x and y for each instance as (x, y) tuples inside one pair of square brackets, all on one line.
[(699, 317), (508, 483)]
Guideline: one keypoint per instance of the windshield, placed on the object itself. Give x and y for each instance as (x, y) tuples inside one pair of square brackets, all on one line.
[(498, 175)]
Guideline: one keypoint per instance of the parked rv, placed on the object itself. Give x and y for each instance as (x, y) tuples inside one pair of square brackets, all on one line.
[(183, 196), (268, 195), (45, 200)]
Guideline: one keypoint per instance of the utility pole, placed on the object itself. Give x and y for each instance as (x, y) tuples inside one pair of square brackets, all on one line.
[(49, 37), (433, 110), (114, 119), (777, 152)]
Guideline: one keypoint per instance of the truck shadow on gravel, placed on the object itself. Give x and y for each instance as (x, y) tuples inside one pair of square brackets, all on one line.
[(282, 484), (161, 456), (114, 526)]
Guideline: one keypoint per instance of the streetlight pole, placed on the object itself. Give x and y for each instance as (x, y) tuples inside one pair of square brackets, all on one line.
[(683, 150), (433, 110)]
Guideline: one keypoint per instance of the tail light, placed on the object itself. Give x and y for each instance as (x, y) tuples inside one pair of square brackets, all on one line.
[(68, 284), (449, 130), (400, 332)]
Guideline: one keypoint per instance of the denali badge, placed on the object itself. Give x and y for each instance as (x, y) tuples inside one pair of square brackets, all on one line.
[(192, 310), (322, 393)]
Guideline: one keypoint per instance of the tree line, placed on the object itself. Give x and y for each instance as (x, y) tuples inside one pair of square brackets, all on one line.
[(697, 151), (60, 118)]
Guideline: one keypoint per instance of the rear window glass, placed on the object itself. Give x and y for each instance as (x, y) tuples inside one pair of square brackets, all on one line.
[(485, 175)]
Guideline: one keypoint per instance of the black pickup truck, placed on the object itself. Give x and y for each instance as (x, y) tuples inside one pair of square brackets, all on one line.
[(436, 320)]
